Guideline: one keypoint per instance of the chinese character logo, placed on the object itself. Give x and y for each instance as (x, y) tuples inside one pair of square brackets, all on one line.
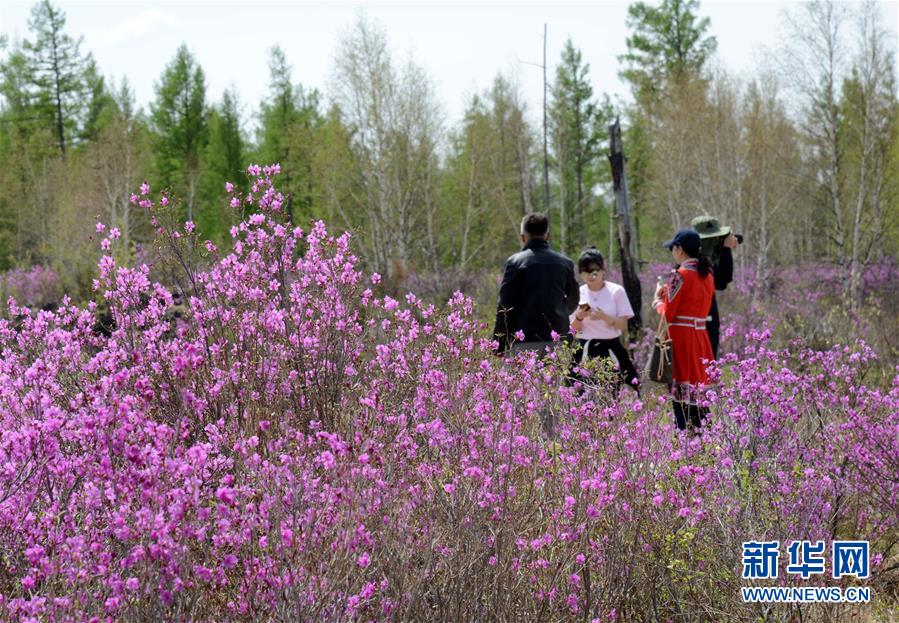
[(850, 558), (760, 559), (806, 558)]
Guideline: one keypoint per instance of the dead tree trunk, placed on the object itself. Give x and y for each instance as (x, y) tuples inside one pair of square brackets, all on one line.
[(626, 251)]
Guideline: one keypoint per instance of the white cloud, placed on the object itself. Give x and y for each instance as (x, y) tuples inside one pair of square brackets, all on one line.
[(136, 27)]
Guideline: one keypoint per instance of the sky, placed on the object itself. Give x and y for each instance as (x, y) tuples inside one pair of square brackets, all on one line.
[(461, 45)]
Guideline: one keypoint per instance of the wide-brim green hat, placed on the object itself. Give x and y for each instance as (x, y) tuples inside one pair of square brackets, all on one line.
[(709, 227)]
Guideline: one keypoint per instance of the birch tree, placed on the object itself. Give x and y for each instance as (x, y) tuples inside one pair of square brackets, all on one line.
[(814, 64), (869, 124), (394, 123)]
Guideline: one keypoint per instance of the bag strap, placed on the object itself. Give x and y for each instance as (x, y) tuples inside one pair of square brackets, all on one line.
[(662, 337), (662, 330)]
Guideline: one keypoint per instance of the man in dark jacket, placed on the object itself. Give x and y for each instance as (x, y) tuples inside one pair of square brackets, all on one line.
[(718, 242), (538, 293)]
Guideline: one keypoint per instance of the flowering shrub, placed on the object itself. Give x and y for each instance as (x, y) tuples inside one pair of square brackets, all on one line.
[(37, 286), (806, 302), (809, 301), (299, 447)]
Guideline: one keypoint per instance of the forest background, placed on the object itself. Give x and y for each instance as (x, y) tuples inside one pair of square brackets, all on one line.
[(800, 156)]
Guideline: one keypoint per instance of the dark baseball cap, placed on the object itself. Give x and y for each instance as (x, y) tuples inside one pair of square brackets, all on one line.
[(686, 239)]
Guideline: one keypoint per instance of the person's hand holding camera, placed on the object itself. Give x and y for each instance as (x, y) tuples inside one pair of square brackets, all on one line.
[(730, 241)]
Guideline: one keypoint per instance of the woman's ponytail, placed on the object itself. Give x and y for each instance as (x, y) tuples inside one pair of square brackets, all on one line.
[(705, 265)]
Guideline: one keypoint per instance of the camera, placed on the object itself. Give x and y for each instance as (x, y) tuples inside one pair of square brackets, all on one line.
[(711, 247)]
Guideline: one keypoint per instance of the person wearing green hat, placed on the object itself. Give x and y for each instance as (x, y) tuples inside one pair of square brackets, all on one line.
[(717, 243)]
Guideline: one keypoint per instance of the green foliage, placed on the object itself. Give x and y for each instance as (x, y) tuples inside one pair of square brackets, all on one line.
[(55, 73), (18, 98), (466, 189), (179, 122), (224, 158), (440, 203), (278, 111), (486, 185), (866, 133), (99, 102), (43, 115), (637, 141), (574, 143), (665, 46), (394, 121), (336, 170), (514, 164), (289, 130), (668, 42)]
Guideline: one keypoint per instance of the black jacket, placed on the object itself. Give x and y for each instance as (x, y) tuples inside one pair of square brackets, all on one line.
[(724, 269), (537, 295), (724, 274)]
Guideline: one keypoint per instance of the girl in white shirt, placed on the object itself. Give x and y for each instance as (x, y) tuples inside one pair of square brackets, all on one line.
[(601, 316)]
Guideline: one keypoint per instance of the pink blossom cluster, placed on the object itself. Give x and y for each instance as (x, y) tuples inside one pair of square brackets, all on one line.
[(302, 447), (37, 286)]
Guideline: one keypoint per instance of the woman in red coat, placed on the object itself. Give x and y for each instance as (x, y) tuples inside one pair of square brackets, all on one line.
[(685, 302)]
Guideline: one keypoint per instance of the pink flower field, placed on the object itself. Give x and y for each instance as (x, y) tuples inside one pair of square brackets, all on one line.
[(299, 446)]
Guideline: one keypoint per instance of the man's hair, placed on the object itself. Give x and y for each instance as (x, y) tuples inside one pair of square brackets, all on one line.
[(590, 257), (535, 225)]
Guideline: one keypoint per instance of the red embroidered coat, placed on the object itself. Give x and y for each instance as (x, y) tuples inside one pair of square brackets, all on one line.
[(686, 305)]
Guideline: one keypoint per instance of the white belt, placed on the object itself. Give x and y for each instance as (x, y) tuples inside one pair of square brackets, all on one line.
[(692, 322)]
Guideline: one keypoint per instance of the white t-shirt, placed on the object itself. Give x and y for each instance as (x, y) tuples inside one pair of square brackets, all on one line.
[(612, 299)]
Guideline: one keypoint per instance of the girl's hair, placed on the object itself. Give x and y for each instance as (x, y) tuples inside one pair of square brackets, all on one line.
[(591, 256), (705, 265)]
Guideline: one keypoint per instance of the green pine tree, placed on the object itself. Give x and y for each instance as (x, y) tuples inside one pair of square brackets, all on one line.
[(291, 123), (667, 52), (100, 103), (56, 73), (179, 121), (668, 42), (224, 160), (575, 145)]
